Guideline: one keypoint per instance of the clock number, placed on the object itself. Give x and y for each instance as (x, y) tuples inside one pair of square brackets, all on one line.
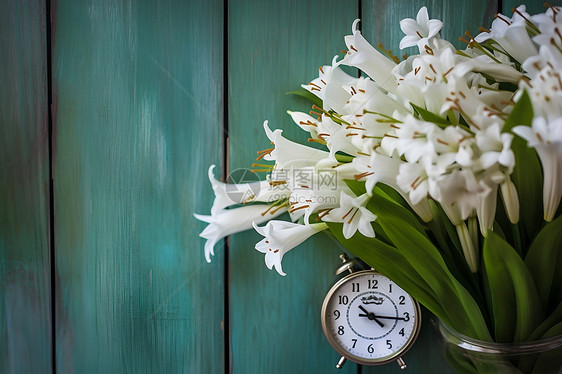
[(370, 348), (402, 299), (390, 288), (343, 299), (341, 330), (373, 284), (406, 316), (354, 342), (337, 314), (389, 344), (355, 287), (401, 332)]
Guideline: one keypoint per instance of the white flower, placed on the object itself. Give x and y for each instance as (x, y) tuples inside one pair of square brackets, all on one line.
[(305, 122), (381, 168), (353, 214), (281, 237), (337, 137), (511, 34), (546, 138), (457, 192), (420, 29), (546, 92), (501, 72), (333, 86), (228, 222), (227, 194), (289, 154), (364, 56), (413, 180), (495, 147)]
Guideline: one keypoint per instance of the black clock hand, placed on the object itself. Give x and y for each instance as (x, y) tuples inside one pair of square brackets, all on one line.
[(370, 315), (388, 317)]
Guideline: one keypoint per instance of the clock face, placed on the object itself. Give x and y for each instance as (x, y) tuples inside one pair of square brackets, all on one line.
[(369, 319)]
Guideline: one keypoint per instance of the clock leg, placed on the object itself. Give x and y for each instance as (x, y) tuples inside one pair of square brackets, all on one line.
[(341, 362), (401, 363)]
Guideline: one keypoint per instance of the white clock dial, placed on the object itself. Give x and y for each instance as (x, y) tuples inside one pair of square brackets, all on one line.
[(369, 319)]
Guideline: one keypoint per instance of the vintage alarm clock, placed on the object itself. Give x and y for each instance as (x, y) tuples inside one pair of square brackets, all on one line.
[(368, 319)]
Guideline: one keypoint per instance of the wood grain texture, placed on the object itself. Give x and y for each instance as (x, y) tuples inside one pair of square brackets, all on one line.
[(381, 23), (137, 94), (381, 19), (533, 7), (25, 307), (273, 48)]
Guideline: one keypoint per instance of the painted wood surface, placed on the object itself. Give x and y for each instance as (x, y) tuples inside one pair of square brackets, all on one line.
[(25, 306), (138, 117), (137, 90), (273, 48)]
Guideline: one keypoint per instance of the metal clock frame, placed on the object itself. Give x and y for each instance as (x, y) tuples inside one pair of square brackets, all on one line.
[(372, 362)]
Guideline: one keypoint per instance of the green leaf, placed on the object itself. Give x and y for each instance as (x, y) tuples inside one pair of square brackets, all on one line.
[(307, 95), (357, 187), (542, 257), (412, 242), (387, 260), (426, 115), (498, 254), (405, 214), (500, 293), (527, 175), (555, 330), (553, 319)]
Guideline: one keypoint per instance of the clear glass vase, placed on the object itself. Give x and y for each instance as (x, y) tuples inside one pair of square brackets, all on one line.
[(467, 355)]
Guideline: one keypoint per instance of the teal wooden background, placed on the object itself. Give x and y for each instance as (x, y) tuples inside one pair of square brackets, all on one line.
[(145, 95)]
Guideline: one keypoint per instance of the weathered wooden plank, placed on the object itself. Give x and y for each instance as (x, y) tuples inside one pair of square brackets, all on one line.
[(533, 7), (273, 48), (381, 23), (25, 307), (137, 94)]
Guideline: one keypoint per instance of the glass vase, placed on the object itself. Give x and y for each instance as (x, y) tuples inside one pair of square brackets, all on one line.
[(467, 355)]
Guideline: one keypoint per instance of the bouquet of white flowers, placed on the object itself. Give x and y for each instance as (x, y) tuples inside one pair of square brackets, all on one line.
[(417, 153)]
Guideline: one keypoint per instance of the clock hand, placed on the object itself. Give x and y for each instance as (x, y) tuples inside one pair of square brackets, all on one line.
[(370, 315), (388, 317)]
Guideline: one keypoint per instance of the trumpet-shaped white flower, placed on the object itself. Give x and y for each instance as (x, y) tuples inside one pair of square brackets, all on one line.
[(546, 138), (418, 31), (353, 214), (289, 154), (306, 122), (281, 237), (546, 92), (495, 148), (231, 221), (228, 194), (511, 34), (333, 86), (364, 56), (337, 137)]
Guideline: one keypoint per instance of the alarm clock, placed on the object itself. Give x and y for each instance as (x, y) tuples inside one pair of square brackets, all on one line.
[(368, 319)]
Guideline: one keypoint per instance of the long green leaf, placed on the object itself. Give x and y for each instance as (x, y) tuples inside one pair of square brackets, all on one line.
[(387, 260), (553, 319), (543, 257), (499, 287), (528, 307), (307, 95), (418, 250), (426, 115), (527, 175)]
